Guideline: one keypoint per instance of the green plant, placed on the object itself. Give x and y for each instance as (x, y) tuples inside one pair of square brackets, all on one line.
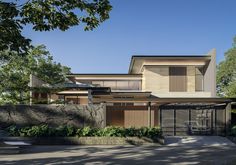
[(233, 130), (86, 131), (37, 131), (131, 131), (113, 131), (13, 130), (66, 131)]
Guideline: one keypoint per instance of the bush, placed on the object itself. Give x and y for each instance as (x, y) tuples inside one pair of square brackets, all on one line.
[(13, 131), (66, 131), (233, 130)]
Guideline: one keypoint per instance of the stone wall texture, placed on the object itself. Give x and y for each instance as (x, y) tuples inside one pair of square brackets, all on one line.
[(53, 115)]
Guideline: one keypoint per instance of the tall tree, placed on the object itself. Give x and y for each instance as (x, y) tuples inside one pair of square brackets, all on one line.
[(45, 15), (226, 73), (15, 74)]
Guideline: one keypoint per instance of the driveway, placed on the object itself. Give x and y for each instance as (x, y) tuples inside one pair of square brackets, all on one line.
[(154, 154), (198, 141)]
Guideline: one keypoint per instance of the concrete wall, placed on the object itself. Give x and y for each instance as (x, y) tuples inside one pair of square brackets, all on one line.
[(156, 80), (53, 115), (190, 78), (210, 75)]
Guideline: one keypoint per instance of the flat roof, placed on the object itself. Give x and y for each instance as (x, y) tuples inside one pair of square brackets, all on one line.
[(166, 57), (102, 74), (166, 100)]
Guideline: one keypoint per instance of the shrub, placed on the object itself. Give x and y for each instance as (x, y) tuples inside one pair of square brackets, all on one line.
[(233, 130), (86, 131), (113, 131), (36, 131), (66, 131), (13, 131)]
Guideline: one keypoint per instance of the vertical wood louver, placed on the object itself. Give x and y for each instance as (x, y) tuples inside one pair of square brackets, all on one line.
[(178, 79)]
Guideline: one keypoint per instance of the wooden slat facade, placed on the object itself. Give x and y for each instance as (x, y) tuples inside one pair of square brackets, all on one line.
[(130, 116), (178, 79)]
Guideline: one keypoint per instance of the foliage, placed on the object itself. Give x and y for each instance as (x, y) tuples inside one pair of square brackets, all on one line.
[(64, 131), (226, 74), (233, 130), (46, 15), (10, 30), (15, 73)]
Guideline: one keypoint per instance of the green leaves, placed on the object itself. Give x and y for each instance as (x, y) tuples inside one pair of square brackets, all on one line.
[(15, 73), (10, 30), (226, 74), (48, 15), (66, 131)]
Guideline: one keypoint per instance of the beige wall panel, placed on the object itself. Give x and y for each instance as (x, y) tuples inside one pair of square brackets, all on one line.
[(183, 94), (191, 78), (210, 75), (156, 79)]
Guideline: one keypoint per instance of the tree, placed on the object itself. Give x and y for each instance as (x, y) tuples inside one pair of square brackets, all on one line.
[(226, 73), (46, 15), (15, 74)]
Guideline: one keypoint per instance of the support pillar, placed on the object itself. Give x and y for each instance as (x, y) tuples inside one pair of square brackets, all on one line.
[(228, 117), (149, 115)]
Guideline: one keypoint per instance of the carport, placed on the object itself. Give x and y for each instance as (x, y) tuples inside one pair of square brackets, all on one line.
[(176, 116)]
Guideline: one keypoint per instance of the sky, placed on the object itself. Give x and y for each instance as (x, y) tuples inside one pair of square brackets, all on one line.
[(143, 27)]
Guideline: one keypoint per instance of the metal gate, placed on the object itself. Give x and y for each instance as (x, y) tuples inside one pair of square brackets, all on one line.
[(177, 120)]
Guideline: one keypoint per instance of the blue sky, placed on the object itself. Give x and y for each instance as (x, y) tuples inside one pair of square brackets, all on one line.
[(143, 27)]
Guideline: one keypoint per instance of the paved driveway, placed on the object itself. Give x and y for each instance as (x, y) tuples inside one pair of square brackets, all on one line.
[(198, 141), (160, 155)]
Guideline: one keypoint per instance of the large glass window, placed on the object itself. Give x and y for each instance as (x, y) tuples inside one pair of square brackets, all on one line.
[(135, 85), (98, 83), (122, 85), (199, 79), (119, 84), (111, 84)]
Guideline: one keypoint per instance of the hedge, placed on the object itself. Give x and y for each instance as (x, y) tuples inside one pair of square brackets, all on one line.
[(69, 131)]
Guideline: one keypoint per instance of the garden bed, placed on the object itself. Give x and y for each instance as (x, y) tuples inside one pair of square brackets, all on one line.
[(68, 135), (86, 140)]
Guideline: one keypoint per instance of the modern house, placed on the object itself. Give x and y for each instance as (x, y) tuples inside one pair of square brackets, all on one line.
[(177, 93)]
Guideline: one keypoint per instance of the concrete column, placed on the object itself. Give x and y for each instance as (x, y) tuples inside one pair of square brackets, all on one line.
[(104, 114), (149, 114), (31, 92), (228, 117), (90, 97)]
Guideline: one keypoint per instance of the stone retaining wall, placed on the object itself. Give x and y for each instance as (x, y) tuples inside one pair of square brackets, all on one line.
[(53, 115), (85, 140)]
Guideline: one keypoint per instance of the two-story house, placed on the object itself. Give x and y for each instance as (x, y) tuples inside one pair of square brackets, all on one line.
[(176, 92)]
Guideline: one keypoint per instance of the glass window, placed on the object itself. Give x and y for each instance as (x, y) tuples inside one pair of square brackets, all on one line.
[(111, 84), (98, 83), (134, 85), (122, 85)]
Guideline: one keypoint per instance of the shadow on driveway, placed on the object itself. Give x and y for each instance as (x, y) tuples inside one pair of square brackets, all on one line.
[(123, 155)]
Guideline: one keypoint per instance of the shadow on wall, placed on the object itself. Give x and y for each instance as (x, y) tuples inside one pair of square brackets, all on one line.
[(53, 115)]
